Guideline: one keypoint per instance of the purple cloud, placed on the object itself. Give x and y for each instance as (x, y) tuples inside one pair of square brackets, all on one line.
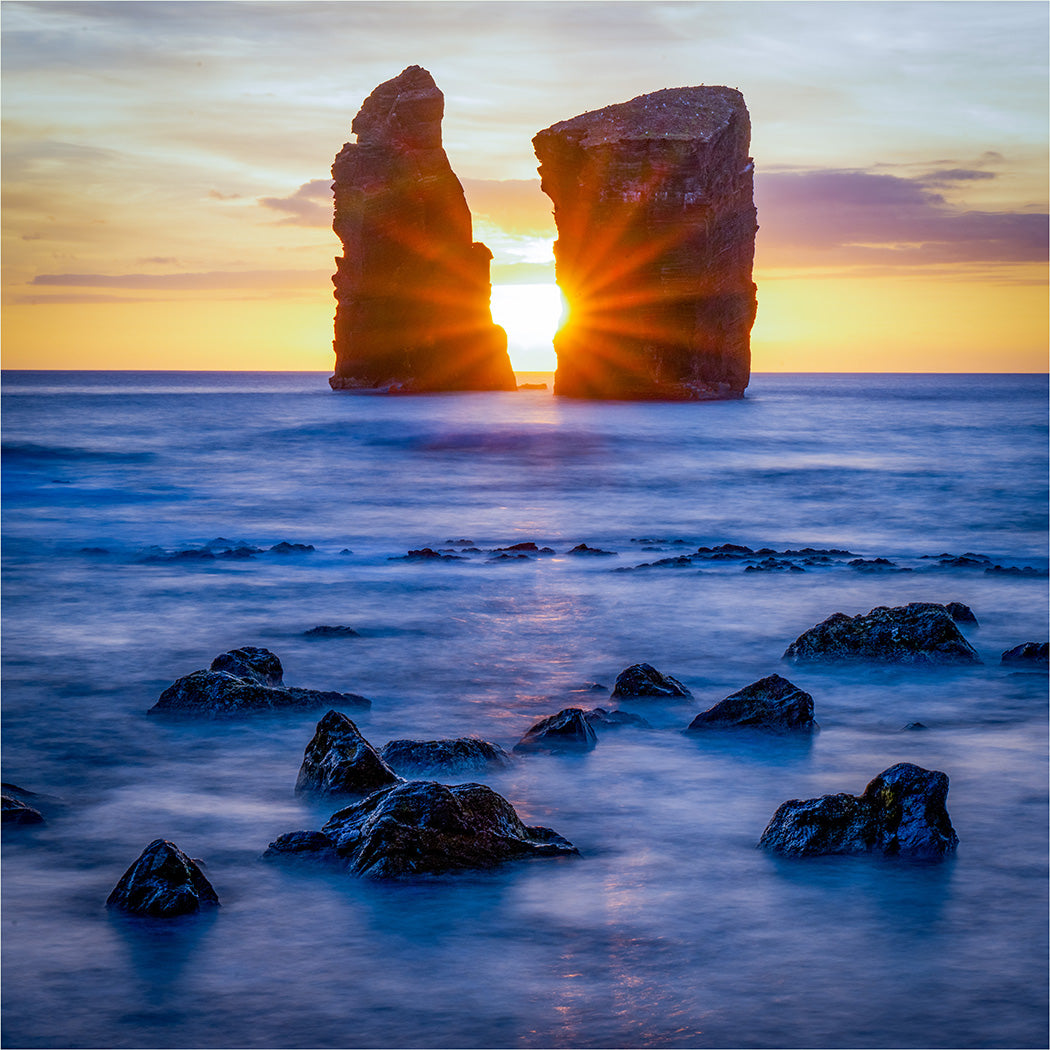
[(302, 207)]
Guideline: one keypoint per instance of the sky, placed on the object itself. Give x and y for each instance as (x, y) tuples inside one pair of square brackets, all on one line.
[(166, 168)]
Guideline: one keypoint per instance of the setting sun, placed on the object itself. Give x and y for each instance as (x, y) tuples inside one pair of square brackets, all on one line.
[(531, 314)]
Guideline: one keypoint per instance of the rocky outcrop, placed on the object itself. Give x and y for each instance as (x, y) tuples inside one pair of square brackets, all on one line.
[(244, 681), (162, 883), (422, 827), (644, 680), (465, 754), (770, 703), (901, 812), (412, 287), (340, 761), (566, 731), (1029, 654), (919, 633), (653, 201)]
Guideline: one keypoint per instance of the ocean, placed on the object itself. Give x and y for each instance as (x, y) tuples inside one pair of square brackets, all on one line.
[(670, 929)]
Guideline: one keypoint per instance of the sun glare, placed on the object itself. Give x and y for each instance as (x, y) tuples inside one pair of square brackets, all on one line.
[(531, 314)]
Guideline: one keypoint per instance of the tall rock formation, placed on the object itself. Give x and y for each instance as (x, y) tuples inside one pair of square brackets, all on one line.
[(653, 200), (412, 288)]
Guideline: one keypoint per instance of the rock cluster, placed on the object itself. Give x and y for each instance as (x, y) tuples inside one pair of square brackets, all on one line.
[(901, 812), (412, 286), (653, 201), (919, 633), (162, 883), (423, 827), (244, 681)]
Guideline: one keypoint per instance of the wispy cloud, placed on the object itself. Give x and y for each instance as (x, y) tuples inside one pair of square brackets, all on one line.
[(216, 280), (310, 205)]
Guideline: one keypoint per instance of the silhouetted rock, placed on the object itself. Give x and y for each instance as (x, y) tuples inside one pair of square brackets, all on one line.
[(919, 633), (162, 883), (412, 287), (462, 755), (1014, 570), (1030, 653), (568, 730), (901, 812), (582, 548), (773, 565), (331, 631), (339, 761), (16, 812), (961, 613), (244, 681), (422, 827), (644, 680), (770, 703), (599, 718), (656, 234), (915, 726)]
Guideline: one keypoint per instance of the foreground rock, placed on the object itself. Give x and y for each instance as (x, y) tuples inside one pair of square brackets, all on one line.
[(412, 287), (770, 703), (901, 813), (653, 200), (568, 730), (919, 633), (245, 681), (1029, 654), (340, 761), (462, 755), (422, 827), (162, 883), (644, 680), (17, 812)]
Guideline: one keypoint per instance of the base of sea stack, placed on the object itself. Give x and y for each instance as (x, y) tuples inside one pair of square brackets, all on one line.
[(646, 391)]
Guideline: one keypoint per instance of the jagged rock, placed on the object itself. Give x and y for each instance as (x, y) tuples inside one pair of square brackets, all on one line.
[(422, 827), (901, 812), (653, 200), (602, 719), (919, 633), (331, 631), (412, 287), (284, 547), (773, 565), (915, 726), (339, 761), (961, 613), (244, 681), (582, 548), (17, 812), (162, 883), (568, 730), (1028, 653), (770, 703), (462, 755), (641, 680)]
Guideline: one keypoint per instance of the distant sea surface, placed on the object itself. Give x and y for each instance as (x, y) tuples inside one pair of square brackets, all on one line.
[(671, 928)]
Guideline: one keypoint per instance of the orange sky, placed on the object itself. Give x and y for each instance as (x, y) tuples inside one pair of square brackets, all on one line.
[(166, 192)]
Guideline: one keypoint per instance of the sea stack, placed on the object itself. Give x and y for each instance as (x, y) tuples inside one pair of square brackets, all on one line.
[(412, 288), (653, 200)]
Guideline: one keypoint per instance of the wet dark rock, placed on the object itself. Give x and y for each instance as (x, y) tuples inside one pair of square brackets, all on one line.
[(528, 547), (919, 633), (426, 554), (599, 718), (1029, 653), (582, 548), (244, 681), (568, 730), (339, 760), (1013, 570), (823, 552), (876, 565), (644, 680), (310, 845), (331, 631), (511, 557), (17, 812), (770, 703), (773, 565), (731, 550), (460, 543), (163, 883), (291, 548), (422, 828), (461, 755), (916, 726), (93, 550), (412, 287), (681, 561), (901, 813), (961, 613), (963, 562), (239, 553), (653, 200)]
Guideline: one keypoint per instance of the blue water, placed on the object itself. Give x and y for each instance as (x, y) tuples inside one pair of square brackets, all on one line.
[(670, 929)]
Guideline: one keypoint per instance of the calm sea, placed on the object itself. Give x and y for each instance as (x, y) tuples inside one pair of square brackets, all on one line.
[(671, 928)]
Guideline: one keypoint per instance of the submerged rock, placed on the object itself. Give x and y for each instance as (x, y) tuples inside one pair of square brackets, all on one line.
[(901, 813), (339, 760), (1028, 653), (568, 730), (919, 633), (770, 703), (644, 680), (653, 200), (602, 719), (244, 681), (462, 755), (162, 883), (422, 827), (331, 631), (412, 287)]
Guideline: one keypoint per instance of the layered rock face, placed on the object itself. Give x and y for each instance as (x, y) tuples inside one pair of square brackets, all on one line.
[(653, 201), (412, 288)]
